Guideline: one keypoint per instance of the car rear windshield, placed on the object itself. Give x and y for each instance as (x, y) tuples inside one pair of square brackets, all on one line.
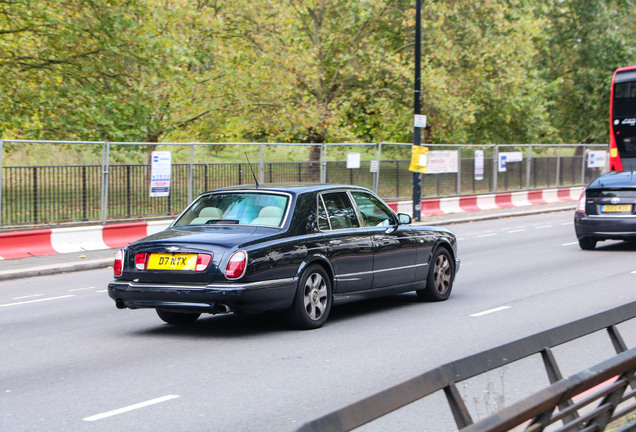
[(611, 193), (237, 208)]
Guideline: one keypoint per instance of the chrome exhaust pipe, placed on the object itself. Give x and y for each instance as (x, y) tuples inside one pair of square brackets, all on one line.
[(221, 308)]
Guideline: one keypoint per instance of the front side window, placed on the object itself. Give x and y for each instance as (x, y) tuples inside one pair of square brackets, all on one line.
[(339, 211), (237, 208), (373, 211)]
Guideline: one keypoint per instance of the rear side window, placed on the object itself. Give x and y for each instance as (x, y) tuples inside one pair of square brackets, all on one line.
[(338, 210)]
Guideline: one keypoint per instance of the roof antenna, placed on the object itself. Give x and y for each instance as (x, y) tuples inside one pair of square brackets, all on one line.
[(251, 169)]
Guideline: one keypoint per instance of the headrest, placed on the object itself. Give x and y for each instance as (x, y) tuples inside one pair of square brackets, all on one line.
[(211, 212), (270, 212)]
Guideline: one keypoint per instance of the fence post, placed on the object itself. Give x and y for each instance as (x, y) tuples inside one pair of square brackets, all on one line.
[(584, 152), (261, 164), (105, 172), (558, 167), (1, 173), (323, 156), (35, 195), (459, 171), (528, 166), (376, 176), (128, 191), (495, 154), (191, 175)]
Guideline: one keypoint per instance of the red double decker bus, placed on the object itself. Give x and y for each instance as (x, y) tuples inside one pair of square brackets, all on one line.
[(623, 120)]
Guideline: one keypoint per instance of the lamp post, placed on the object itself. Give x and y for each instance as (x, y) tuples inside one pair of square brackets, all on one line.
[(417, 108)]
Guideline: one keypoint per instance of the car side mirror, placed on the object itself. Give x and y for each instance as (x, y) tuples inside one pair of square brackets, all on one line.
[(404, 219)]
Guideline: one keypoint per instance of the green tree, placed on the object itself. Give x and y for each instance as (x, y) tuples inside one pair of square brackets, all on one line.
[(479, 80), (118, 70), (315, 71), (583, 43)]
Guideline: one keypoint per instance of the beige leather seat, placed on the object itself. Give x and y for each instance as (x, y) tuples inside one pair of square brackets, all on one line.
[(269, 216), (206, 214)]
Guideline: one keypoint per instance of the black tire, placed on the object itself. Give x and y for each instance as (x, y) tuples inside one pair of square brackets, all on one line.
[(587, 243), (441, 275), (177, 318), (312, 302)]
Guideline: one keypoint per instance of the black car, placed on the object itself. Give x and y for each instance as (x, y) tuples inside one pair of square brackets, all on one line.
[(297, 248), (607, 210)]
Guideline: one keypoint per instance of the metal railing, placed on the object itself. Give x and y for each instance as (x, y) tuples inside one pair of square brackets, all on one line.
[(608, 381), (103, 189)]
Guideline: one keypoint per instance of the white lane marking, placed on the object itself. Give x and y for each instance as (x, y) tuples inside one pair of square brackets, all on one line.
[(570, 244), (130, 408), (81, 289), (27, 296), (567, 223), (544, 226), (102, 291), (634, 272), (486, 235), (516, 231), (489, 311), (36, 301)]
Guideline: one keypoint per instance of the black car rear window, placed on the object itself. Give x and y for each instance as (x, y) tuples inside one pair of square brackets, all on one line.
[(237, 208), (611, 193)]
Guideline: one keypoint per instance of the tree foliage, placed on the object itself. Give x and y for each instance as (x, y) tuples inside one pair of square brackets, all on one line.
[(313, 71)]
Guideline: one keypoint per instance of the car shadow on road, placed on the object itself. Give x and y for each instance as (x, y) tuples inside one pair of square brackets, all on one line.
[(616, 246), (255, 324)]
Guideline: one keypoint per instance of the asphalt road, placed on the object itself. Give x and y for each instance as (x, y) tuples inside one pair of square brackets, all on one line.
[(71, 361)]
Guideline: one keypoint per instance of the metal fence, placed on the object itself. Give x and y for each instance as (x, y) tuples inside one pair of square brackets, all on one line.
[(82, 182), (586, 401)]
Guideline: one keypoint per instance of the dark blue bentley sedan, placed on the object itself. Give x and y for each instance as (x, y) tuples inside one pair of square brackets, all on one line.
[(607, 210), (296, 248)]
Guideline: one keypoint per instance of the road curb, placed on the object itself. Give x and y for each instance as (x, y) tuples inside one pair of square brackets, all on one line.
[(57, 268), (476, 218)]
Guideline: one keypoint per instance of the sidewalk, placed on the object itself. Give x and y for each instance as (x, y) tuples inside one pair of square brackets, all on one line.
[(76, 261)]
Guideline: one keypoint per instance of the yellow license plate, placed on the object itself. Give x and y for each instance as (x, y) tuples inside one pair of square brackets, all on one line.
[(616, 208), (172, 262)]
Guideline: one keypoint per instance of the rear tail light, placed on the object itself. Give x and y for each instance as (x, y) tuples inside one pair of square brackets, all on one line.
[(141, 261), (580, 207), (203, 261), (236, 265), (118, 265)]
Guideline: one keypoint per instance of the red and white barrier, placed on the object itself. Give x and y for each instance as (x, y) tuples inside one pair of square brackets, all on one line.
[(469, 203), (76, 239)]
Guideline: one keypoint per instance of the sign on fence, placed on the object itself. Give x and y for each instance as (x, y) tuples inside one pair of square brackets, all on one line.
[(442, 161), (160, 174), (506, 157), (597, 159), (479, 165), (353, 160)]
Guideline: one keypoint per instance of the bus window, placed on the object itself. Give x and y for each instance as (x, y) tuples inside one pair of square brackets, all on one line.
[(623, 120)]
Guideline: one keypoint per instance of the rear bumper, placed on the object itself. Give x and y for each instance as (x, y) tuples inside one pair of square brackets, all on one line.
[(255, 296), (605, 228)]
